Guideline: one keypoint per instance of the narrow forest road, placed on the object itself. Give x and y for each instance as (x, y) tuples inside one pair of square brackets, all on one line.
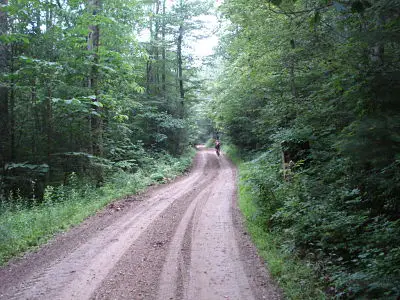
[(183, 240)]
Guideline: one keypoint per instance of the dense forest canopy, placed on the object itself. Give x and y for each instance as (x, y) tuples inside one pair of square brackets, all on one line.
[(307, 90), (311, 88), (89, 85)]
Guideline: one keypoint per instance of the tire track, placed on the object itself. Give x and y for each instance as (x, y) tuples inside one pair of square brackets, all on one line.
[(137, 273), (77, 275), (209, 265), (216, 270), (180, 242), (174, 264)]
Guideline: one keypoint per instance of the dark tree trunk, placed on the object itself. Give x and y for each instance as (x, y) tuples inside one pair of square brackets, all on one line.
[(49, 117), (163, 54), (5, 139), (291, 72), (157, 50), (36, 130), (148, 76), (180, 66), (11, 110), (95, 118)]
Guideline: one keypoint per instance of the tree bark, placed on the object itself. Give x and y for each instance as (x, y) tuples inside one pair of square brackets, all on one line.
[(49, 110), (36, 130), (292, 77), (93, 47), (180, 65), (148, 76), (11, 109), (5, 140), (292, 80), (153, 64), (163, 54), (157, 49), (149, 64)]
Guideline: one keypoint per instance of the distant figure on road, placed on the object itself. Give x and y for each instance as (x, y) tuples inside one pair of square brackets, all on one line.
[(217, 146)]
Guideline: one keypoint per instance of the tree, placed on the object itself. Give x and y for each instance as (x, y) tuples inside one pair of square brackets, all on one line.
[(323, 75), (4, 89), (94, 7), (76, 80), (167, 85)]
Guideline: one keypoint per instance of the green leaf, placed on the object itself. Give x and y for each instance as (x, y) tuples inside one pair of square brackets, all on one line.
[(97, 103), (26, 59), (95, 113)]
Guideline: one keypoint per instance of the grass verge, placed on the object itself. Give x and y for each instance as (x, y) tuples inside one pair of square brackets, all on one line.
[(25, 224), (297, 280), (295, 277)]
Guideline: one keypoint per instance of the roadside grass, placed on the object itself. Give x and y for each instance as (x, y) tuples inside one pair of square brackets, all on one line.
[(25, 224), (295, 277), (210, 143), (233, 154)]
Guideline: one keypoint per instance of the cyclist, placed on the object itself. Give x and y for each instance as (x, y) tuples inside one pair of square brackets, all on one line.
[(217, 146)]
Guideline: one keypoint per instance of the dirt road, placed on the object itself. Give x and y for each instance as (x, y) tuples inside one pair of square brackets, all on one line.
[(184, 240)]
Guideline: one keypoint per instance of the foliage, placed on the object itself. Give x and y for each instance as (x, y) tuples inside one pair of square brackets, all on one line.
[(325, 75), (26, 223), (90, 107), (83, 92), (297, 280)]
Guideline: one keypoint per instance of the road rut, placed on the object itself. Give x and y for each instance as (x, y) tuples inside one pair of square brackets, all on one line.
[(183, 240)]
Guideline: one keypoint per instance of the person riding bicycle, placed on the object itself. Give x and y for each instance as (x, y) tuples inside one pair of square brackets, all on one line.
[(217, 145)]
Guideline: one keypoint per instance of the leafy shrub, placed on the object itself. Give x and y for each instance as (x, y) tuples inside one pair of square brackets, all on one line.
[(25, 223), (319, 217)]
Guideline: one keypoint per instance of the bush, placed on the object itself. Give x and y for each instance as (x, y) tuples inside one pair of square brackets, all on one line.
[(319, 217), (25, 223)]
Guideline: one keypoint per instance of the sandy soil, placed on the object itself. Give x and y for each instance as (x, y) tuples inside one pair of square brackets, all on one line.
[(183, 240)]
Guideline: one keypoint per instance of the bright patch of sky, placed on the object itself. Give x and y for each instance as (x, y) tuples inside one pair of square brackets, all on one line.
[(205, 46), (198, 47)]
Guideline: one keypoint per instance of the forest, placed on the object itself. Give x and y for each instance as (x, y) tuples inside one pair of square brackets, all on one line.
[(309, 96), (96, 103), (97, 94), (90, 86)]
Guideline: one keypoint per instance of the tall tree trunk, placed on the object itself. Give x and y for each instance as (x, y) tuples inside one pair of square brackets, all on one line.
[(36, 130), (93, 46), (11, 109), (292, 77), (157, 49), (181, 89), (49, 117), (5, 146), (180, 66), (163, 54), (153, 65), (292, 80), (49, 15), (148, 76), (149, 64)]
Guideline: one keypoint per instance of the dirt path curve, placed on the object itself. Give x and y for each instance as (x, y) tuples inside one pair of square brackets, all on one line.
[(184, 240)]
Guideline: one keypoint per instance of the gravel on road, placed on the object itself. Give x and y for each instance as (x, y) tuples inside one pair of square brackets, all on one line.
[(182, 240)]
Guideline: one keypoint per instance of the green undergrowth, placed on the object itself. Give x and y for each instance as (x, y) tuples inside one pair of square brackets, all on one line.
[(233, 153), (26, 223), (295, 277), (318, 236), (210, 143)]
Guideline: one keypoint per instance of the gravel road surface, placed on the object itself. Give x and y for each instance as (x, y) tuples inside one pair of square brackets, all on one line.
[(182, 240)]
